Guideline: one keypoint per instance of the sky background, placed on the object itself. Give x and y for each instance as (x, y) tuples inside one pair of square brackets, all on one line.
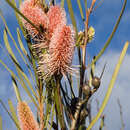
[(103, 20)]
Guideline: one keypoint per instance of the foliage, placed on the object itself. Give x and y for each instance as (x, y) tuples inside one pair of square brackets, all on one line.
[(55, 107)]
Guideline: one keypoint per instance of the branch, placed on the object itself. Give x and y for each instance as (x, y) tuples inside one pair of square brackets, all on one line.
[(121, 114)]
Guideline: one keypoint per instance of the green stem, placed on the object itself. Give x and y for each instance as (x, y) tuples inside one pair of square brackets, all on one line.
[(69, 3), (85, 4), (59, 106)]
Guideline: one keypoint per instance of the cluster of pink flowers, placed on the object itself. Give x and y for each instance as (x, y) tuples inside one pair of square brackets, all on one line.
[(35, 14), (58, 38)]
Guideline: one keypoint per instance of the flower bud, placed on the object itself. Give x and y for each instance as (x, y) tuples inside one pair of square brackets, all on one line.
[(86, 89), (96, 82)]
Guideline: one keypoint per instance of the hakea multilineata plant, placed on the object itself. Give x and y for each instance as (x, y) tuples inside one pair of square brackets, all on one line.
[(54, 45), (56, 38), (26, 117), (51, 45)]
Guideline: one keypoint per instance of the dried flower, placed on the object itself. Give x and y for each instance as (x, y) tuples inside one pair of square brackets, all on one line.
[(26, 118), (35, 14), (61, 50), (57, 17)]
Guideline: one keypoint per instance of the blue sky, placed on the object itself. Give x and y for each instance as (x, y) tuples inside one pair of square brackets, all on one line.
[(103, 20)]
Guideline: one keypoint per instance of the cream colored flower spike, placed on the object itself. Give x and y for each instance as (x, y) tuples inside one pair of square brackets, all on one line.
[(26, 118)]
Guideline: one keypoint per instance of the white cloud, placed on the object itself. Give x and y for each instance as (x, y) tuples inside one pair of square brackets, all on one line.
[(121, 90)]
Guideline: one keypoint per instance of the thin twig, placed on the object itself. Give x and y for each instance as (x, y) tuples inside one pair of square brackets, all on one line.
[(82, 72), (103, 70), (89, 110), (121, 114), (102, 124), (56, 116), (41, 105), (71, 87), (59, 105), (99, 3), (64, 95)]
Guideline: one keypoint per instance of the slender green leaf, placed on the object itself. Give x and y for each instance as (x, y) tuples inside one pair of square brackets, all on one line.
[(49, 99), (74, 24), (15, 42), (21, 81), (44, 96), (72, 15), (13, 112), (92, 74), (58, 103), (9, 114), (28, 82), (21, 43), (11, 54), (111, 36), (62, 3), (25, 53), (80, 8), (85, 4), (48, 114), (20, 1), (52, 117), (26, 89), (8, 46), (0, 123), (17, 16), (16, 63), (33, 64), (67, 115), (101, 124), (16, 89), (19, 73), (14, 2), (111, 85), (23, 49), (12, 38)]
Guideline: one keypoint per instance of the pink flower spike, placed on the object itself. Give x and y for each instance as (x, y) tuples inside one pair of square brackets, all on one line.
[(30, 3), (35, 14), (56, 16), (26, 118), (61, 51)]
